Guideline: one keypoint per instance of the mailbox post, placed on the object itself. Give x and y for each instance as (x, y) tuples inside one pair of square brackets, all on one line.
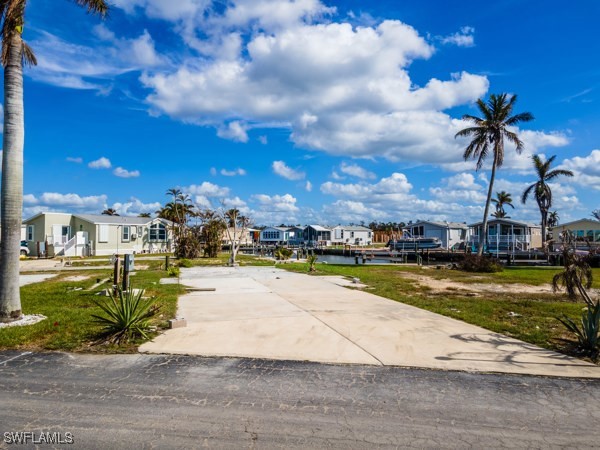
[(127, 267)]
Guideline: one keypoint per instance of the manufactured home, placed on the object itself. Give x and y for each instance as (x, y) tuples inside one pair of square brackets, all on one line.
[(62, 234)]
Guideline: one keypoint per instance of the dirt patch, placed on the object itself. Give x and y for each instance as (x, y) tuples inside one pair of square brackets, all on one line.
[(445, 285), (76, 278)]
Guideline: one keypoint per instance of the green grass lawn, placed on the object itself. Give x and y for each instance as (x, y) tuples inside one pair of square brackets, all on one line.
[(68, 309)]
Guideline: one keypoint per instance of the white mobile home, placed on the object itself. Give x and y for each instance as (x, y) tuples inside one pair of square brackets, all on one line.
[(60, 234), (585, 231), (351, 235), (449, 233)]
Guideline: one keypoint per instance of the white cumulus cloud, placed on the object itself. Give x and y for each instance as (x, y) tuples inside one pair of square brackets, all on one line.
[(281, 169), (101, 163), (124, 173)]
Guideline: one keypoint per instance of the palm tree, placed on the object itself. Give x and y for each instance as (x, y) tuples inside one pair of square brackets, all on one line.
[(553, 219), (488, 136), (145, 215), (541, 190), (110, 212), (502, 198), (596, 214), (15, 53)]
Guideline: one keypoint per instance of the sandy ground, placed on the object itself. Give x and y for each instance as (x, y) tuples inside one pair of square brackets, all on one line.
[(476, 289)]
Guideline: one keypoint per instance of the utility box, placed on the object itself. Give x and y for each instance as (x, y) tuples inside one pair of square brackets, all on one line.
[(128, 263)]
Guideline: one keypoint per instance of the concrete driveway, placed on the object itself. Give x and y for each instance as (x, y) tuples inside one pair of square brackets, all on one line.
[(263, 312)]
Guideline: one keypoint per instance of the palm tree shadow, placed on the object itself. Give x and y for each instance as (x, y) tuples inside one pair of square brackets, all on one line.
[(509, 351)]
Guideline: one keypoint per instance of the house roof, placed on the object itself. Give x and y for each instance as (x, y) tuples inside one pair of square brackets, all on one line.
[(591, 221), (42, 213), (118, 220), (277, 228), (319, 228), (105, 219), (507, 221), (460, 225), (353, 228)]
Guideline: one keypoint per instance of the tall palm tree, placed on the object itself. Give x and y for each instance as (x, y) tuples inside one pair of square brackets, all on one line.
[(553, 218), (541, 190), (15, 53), (596, 214), (488, 135), (502, 198)]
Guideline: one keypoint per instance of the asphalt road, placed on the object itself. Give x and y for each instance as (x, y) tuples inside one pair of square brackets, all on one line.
[(147, 401)]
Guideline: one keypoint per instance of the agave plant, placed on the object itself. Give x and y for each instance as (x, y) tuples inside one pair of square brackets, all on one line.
[(126, 316), (588, 336)]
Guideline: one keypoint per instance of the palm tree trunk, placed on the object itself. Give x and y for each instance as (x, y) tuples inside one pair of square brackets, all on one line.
[(544, 225), (484, 238), (12, 183)]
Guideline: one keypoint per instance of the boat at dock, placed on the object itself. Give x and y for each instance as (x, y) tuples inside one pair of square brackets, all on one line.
[(408, 242)]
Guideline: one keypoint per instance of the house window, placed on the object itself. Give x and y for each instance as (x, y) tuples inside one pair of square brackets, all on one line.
[(30, 230), (158, 232), (271, 235), (126, 233), (102, 233), (352, 234)]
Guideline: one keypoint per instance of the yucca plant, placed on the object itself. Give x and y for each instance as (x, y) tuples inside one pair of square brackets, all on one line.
[(588, 334), (126, 316)]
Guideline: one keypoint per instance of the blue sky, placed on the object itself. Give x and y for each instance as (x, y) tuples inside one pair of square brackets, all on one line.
[(305, 111)]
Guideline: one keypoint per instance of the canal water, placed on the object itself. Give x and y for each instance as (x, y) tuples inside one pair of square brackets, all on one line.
[(336, 259)]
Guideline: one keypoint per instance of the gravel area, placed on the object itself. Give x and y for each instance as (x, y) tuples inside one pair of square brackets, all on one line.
[(28, 319)]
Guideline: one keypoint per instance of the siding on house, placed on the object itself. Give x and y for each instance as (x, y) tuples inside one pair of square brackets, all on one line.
[(350, 234), (97, 234), (275, 235), (449, 233), (585, 230)]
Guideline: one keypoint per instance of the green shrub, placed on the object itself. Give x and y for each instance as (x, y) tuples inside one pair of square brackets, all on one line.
[(283, 253), (588, 335), (173, 271), (126, 316), (476, 263), (185, 263)]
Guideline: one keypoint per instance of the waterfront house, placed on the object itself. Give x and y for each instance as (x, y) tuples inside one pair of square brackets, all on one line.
[(449, 233), (351, 235), (62, 234), (296, 236), (316, 235), (506, 235), (585, 231), (275, 236), (248, 236)]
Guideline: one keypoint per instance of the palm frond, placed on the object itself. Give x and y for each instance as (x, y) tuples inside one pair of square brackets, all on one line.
[(29, 58), (94, 6), (518, 118), (558, 172), (526, 193), (512, 137)]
